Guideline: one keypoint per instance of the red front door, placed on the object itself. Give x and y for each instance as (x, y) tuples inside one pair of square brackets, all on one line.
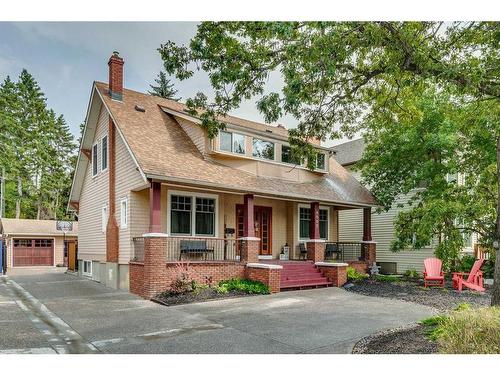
[(262, 225)]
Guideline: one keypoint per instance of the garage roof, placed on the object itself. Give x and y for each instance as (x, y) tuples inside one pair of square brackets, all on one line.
[(33, 227)]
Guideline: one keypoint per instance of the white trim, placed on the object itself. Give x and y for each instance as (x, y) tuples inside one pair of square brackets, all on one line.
[(369, 242), (315, 240), (321, 207), (104, 220), (151, 235), (107, 152), (248, 239), (232, 152), (265, 257), (193, 196), (265, 266), (123, 225), (331, 264), (87, 274), (96, 145)]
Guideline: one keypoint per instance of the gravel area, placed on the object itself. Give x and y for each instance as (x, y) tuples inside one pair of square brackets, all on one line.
[(170, 299), (442, 299), (405, 340)]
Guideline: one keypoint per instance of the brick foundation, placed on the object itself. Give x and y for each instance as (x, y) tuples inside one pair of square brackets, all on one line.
[(269, 275), (359, 266), (136, 278), (316, 251), (209, 273), (336, 273)]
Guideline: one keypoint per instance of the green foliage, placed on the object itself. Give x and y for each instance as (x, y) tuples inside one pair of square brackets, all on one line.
[(242, 285), (435, 324), (466, 263), (470, 331), (387, 278), (411, 273), (353, 275), (164, 88), (37, 151)]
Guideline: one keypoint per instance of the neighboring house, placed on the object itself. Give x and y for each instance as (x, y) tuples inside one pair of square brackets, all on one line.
[(348, 154), (35, 243), (151, 189)]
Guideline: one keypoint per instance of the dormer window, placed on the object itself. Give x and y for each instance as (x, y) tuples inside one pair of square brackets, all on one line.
[(232, 142), (320, 161), (263, 149), (287, 156)]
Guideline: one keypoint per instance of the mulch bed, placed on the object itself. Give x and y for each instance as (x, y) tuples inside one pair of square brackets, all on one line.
[(410, 290), (407, 340), (171, 299), (411, 339)]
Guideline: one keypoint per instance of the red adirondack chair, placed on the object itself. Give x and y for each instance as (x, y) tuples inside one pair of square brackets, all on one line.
[(474, 279), (433, 274)]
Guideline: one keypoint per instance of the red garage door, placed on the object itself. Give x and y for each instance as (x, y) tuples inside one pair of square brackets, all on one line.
[(33, 252)]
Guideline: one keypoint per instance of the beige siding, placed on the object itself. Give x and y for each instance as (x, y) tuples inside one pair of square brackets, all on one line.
[(91, 239), (196, 133), (351, 229)]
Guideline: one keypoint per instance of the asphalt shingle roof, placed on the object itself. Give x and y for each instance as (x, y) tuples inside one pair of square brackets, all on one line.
[(33, 227)]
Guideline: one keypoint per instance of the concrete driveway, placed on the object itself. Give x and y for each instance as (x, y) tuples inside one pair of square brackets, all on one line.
[(48, 311)]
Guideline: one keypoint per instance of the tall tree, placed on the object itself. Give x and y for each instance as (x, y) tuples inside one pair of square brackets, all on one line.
[(336, 74), (163, 88)]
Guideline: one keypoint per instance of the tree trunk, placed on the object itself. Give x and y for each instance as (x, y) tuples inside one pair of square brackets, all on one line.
[(495, 298), (19, 195)]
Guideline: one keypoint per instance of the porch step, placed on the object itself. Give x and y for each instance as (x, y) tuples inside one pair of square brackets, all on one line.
[(298, 275)]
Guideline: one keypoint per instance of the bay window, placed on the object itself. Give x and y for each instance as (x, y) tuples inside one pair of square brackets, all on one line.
[(232, 142), (263, 149)]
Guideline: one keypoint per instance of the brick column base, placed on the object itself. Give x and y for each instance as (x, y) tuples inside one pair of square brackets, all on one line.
[(249, 249), (369, 252), (316, 250), (155, 271), (268, 274), (336, 273)]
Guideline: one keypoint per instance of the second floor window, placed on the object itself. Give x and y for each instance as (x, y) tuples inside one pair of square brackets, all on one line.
[(287, 156), (263, 149), (232, 142), (104, 153), (320, 162), (94, 160)]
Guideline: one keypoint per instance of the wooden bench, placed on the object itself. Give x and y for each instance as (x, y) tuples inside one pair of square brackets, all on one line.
[(333, 248), (196, 247)]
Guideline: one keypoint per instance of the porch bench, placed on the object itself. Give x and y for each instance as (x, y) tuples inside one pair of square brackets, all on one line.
[(195, 247), (333, 248)]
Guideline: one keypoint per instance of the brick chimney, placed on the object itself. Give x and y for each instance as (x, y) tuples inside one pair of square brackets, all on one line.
[(115, 64)]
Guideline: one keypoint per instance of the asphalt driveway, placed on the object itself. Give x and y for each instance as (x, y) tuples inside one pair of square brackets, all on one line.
[(48, 311)]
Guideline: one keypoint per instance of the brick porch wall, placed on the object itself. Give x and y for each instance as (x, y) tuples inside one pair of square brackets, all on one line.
[(335, 273), (316, 250), (206, 272), (268, 276), (360, 266), (136, 278)]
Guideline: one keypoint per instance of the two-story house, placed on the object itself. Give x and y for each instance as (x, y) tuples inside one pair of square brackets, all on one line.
[(152, 189)]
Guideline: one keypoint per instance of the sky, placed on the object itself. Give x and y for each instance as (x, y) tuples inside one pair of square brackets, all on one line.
[(66, 57)]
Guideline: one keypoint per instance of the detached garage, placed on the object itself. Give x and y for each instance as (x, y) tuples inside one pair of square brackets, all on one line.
[(37, 243)]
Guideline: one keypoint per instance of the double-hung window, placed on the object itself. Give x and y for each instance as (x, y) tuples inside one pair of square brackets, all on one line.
[(104, 218), (192, 215), (320, 161), (104, 153), (305, 223), (123, 213), (232, 142), (263, 149), (94, 160)]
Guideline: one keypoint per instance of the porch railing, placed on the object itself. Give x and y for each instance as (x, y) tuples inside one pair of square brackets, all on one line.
[(346, 251), (193, 249)]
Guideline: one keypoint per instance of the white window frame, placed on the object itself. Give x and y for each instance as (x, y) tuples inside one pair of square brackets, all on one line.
[(328, 221), (326, 162), (123, 216), (232, 143), (107, 152), (104, 218), (88, 274), (96, 161), (193, 196)]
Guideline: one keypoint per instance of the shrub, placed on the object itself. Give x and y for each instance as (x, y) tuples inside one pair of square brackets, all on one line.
[(470, 331), (466, 263), (353, 275), (242, 285), (183, 279), (387, 278), (411, 273)]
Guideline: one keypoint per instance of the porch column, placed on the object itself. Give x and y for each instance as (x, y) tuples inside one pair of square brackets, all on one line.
[(249, 244), (367, 224), (248, 218), (369, 247), (155, 207), (315, 245)]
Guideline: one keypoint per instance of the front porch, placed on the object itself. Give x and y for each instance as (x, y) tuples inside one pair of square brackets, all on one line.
[(243, 235)]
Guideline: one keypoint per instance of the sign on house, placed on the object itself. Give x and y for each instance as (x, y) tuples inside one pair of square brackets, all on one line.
[(64, 226)]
